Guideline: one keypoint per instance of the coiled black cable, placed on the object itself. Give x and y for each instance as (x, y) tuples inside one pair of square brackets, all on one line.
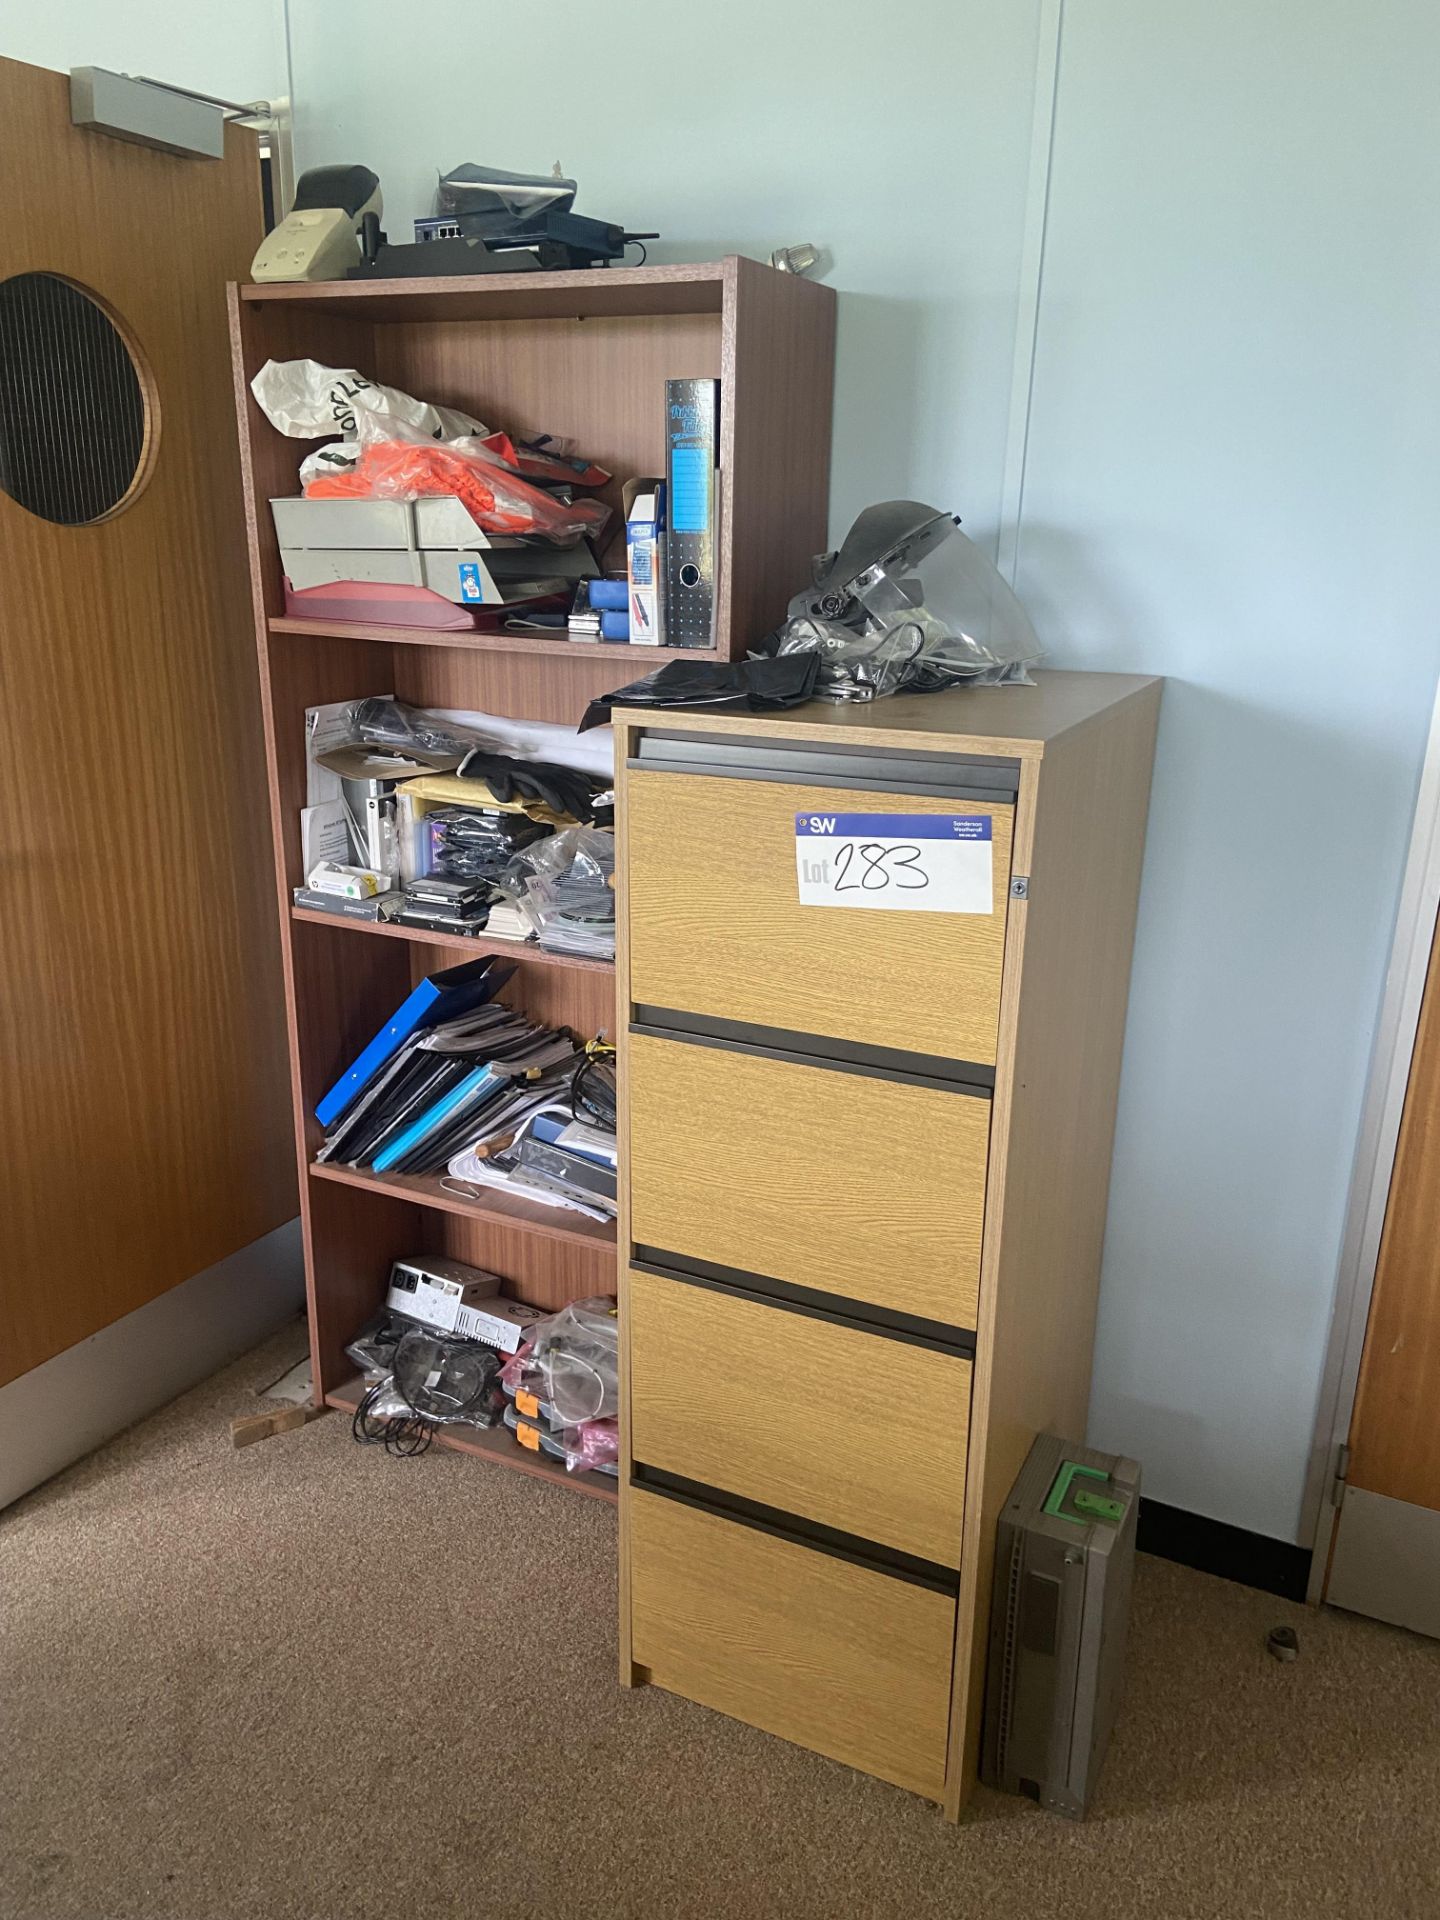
[(592, 1088), (403, 1438)]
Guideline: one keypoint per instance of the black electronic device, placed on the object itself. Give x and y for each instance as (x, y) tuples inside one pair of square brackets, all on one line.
[(459, 896), (442, 919), (563, 240), (549, 242)]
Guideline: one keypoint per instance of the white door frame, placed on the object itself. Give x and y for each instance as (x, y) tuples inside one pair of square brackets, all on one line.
[(1375, 1157)]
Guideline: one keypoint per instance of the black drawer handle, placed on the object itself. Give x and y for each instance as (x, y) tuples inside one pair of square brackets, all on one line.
[(797, 1530), (810, 1302), (816, 1050)]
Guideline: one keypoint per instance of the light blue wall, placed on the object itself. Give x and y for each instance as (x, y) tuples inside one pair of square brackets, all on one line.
[(235, 49), (1231, 480), (736, 126)]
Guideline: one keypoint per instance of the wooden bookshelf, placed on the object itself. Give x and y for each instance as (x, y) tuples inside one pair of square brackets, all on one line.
[(580, 354)]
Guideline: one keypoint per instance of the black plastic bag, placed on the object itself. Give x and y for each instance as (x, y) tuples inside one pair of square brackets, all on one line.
[(760, 685)]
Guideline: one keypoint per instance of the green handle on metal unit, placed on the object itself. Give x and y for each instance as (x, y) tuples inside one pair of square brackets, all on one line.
[(1101, 1507), (1090, 1503)]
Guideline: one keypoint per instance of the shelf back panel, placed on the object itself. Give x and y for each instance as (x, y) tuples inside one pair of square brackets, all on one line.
[(517, 686), (600, 383)]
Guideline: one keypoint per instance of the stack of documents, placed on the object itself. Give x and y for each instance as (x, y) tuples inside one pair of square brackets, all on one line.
[(551, 1158), (449, 1068)]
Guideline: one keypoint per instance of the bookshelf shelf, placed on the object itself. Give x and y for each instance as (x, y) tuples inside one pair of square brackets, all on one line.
[(585, 653), (584, 355), (551, 1223), (611, 292), (476, 946), (496, 1444)]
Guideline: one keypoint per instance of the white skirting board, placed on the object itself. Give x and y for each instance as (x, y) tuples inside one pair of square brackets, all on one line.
[(64, 1409)]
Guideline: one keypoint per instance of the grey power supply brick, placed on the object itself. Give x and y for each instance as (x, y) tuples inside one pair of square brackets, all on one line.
[(1064, 1559)]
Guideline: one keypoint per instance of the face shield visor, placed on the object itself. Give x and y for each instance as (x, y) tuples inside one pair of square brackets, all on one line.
[(908, 602)]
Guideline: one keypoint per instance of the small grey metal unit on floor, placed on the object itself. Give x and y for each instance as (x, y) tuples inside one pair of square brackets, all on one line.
[(1064, 1560)]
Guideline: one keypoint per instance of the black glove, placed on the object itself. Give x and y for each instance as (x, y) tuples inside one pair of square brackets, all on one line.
[(562, 788)]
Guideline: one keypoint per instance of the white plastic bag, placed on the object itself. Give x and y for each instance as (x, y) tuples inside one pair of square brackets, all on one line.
[(309, 401)]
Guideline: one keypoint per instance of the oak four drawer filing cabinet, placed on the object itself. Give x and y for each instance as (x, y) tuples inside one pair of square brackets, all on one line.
[(865, 1155)]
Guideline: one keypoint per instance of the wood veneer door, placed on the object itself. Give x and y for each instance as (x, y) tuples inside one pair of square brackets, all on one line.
[(143, 1112), (1386, 1556)]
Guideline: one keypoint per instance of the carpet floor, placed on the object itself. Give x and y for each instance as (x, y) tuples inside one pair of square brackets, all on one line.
[(307, 1680)]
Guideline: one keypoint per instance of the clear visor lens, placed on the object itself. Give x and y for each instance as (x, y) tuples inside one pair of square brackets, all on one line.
[(941, 585)]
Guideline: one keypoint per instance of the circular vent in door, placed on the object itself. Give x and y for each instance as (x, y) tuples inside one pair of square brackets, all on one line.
[(75, 413)]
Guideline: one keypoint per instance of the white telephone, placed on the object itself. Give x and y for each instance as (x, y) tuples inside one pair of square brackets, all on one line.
[(319, 238)]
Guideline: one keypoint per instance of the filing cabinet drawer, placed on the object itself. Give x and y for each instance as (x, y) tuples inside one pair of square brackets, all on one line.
[(838, 1657), (856, 1185), (848, 1428), (717, 928)]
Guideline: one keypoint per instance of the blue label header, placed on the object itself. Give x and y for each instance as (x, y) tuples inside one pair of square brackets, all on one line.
[(892, 826), (689, 489)]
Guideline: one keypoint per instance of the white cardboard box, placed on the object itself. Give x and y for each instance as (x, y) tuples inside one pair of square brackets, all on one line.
[(644, 555)]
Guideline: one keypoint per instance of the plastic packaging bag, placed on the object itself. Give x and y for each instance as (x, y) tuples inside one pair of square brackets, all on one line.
[(501, 480), (577, 1352), (855, 666), (336, 456), (538, 740), (519, 1372), (490, 201), (497, 500), (561, 887), (764, 685), (417, 732), (309, 401), (448, 1381), (547, 461), (544, 461), (468, 843), (488, 750), (593, 1444), (373, 1348), (587, 1446)]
